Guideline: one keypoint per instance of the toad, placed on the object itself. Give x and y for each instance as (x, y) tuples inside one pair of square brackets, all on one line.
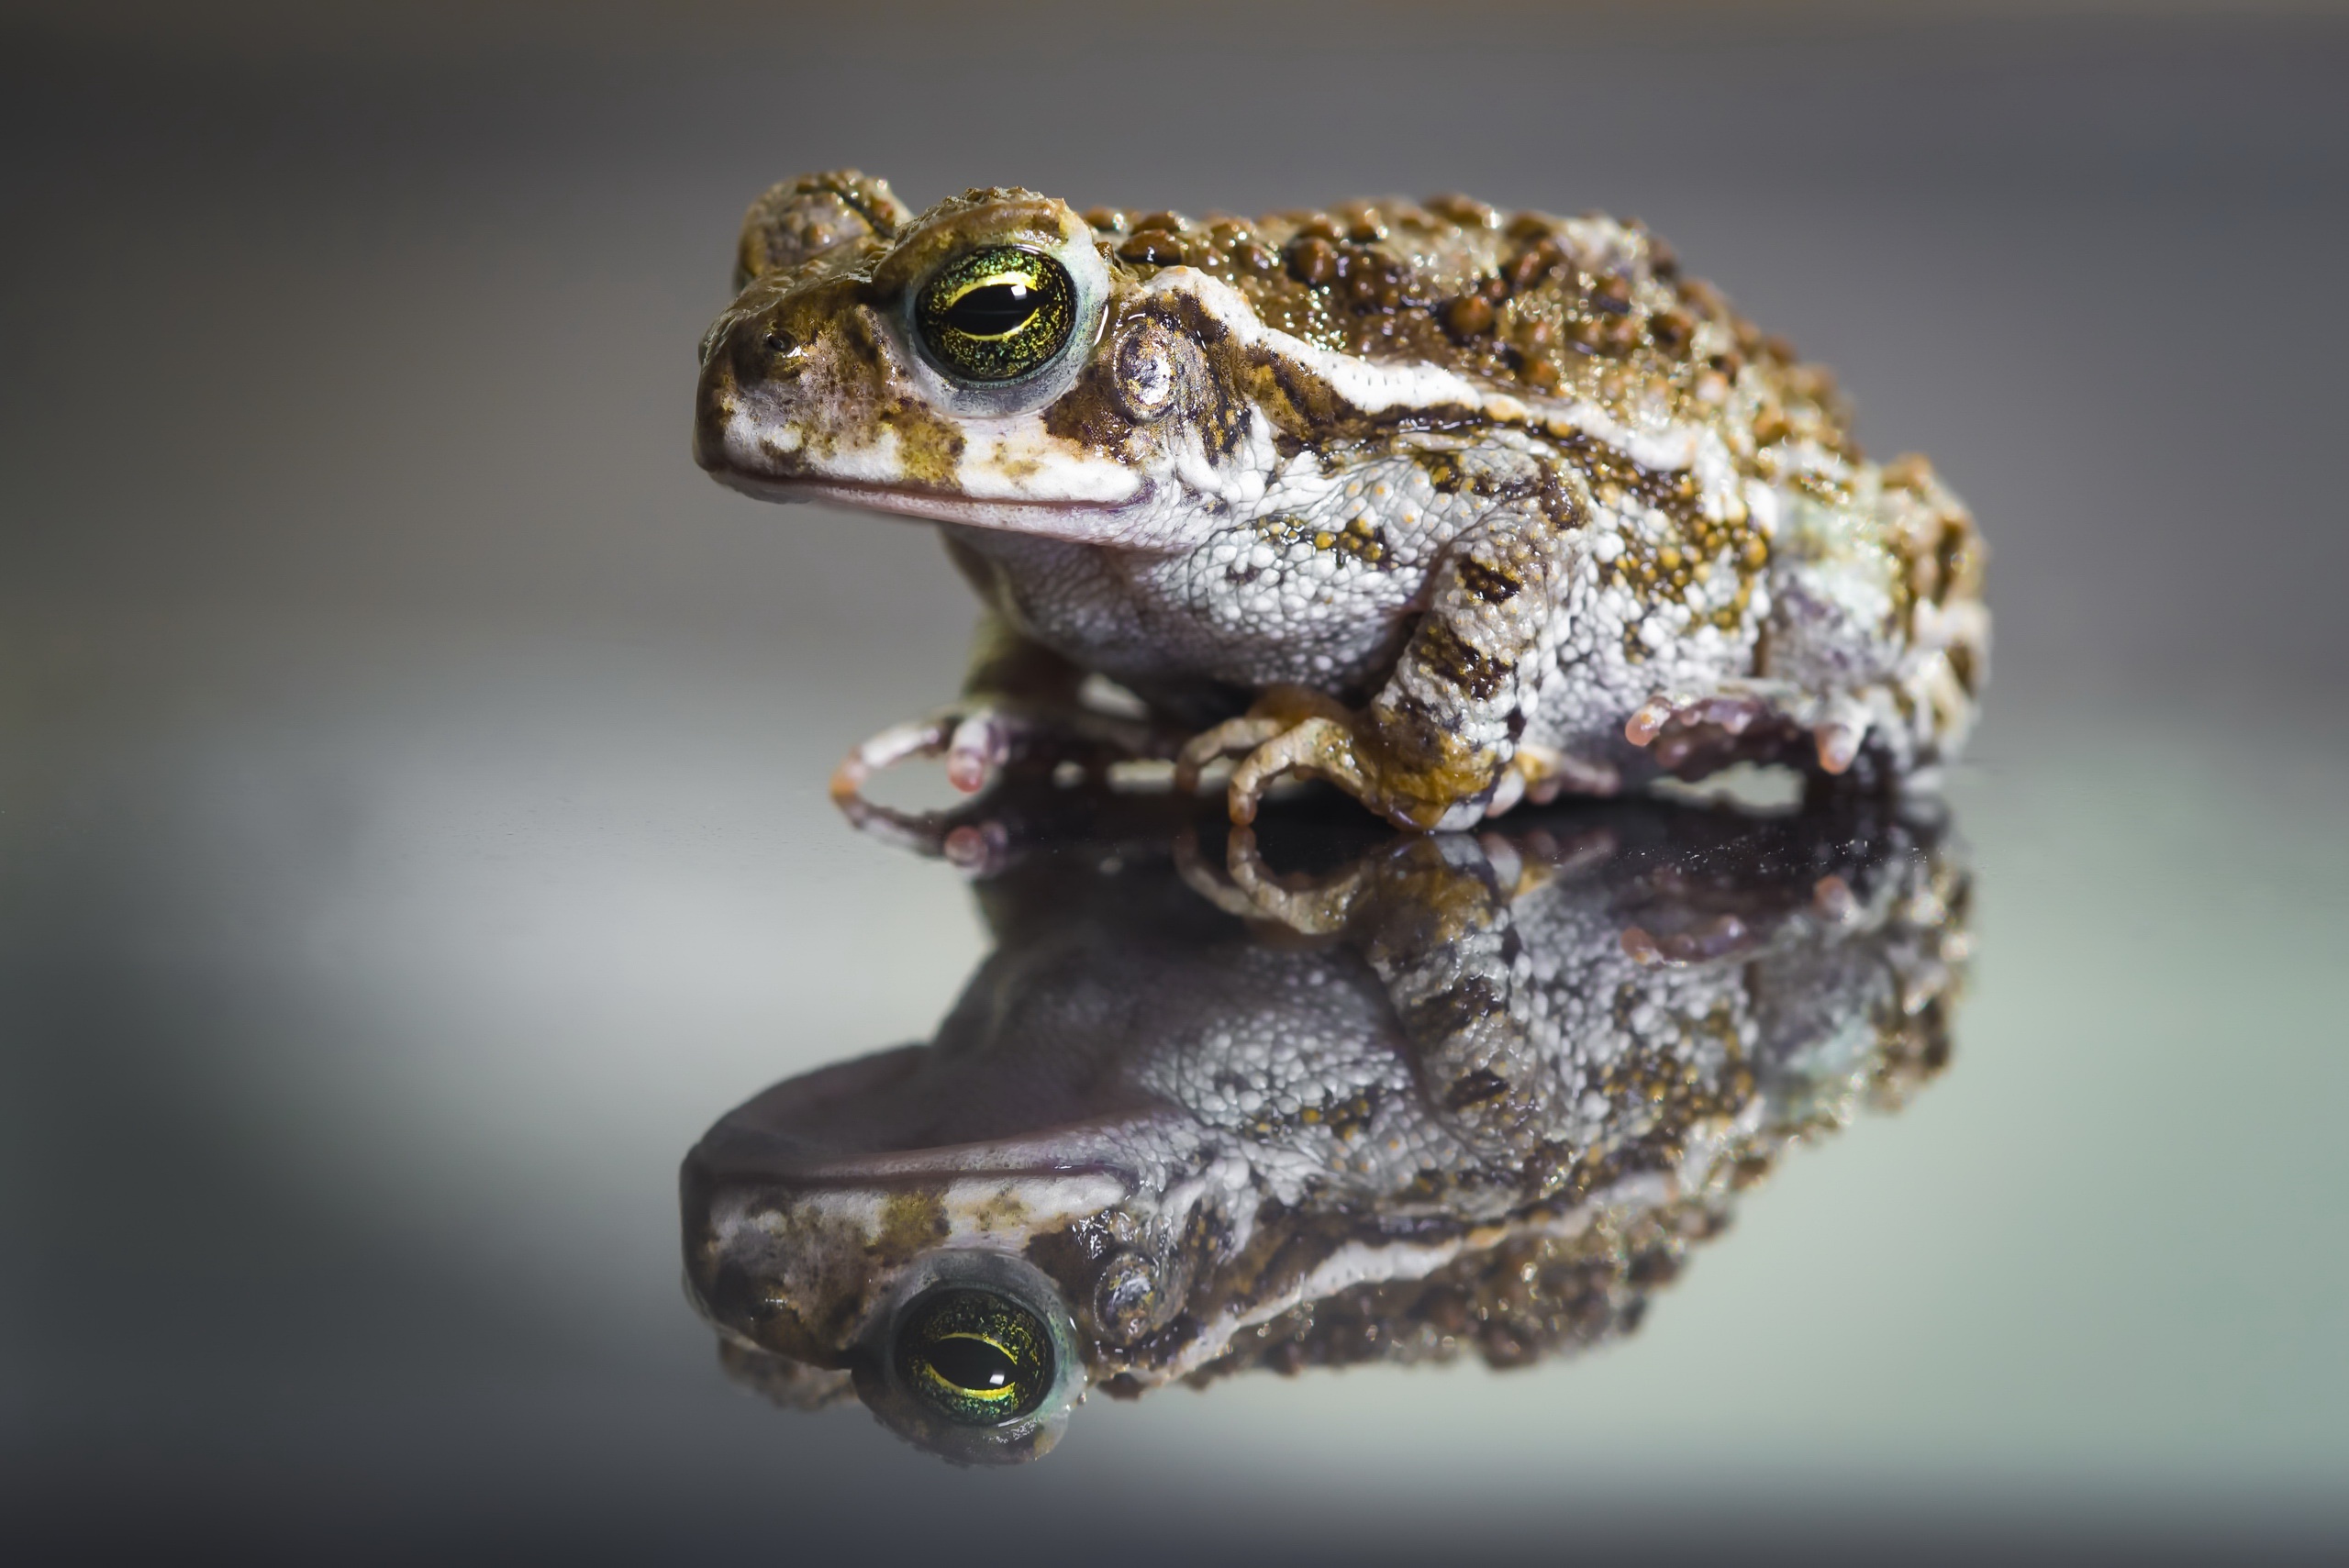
[(1446, 506)]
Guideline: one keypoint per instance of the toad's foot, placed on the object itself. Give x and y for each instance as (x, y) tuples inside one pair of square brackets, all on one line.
[(980, 740), (1694, 735), (1293, 730)]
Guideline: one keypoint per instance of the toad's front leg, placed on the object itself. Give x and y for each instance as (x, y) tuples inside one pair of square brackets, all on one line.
[(1435, 918), (1020, 710), (1433, 748)]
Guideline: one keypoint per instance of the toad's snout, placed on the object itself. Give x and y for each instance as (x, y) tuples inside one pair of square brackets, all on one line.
[(717, 403), (743, 431)]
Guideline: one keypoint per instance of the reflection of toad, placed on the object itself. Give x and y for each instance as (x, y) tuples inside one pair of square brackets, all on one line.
[(1446, 506), (1448, 1093)]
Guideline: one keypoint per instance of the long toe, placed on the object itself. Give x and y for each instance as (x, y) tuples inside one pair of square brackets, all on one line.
[(1317, 746), (1233, 737)]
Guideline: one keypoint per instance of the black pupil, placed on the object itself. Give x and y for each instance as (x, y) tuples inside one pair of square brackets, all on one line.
[(971, 1363), (994, 310)]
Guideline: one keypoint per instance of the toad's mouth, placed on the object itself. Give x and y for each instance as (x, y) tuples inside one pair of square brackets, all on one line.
[(1087, 521)]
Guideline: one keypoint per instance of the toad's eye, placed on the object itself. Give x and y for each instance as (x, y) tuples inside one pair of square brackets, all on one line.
[(977, 1358), (997, 314)]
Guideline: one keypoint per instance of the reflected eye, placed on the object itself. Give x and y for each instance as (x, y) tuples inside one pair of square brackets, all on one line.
[(996, 314), (978, 1358)]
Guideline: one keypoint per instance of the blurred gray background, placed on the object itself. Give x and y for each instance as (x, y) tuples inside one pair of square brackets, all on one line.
[(411, 818)]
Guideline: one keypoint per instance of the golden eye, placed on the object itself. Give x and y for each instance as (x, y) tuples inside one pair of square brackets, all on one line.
[(977, 1358), (996, 314)]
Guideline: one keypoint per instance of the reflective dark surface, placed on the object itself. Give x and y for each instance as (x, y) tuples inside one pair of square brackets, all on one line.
[(412, 818), (1431, 1098)]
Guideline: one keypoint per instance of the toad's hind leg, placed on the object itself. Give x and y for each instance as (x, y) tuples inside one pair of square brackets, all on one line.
[(1872, 661)]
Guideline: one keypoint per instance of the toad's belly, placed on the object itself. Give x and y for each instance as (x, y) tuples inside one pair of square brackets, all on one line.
[(1251, 608)]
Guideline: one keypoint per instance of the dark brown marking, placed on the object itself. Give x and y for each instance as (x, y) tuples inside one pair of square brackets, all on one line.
[(1449, 657), (1488, 581), (1961, 664), (1465, 211), (1470, 315), (1153, 248), (1313, 262), (1452, 1010), (1476, 1088)]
